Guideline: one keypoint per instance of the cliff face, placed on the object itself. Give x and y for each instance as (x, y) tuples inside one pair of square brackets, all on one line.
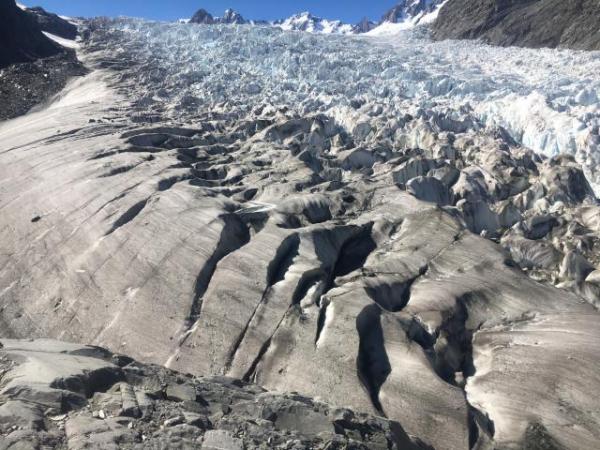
[(21, 39), (525, 23)]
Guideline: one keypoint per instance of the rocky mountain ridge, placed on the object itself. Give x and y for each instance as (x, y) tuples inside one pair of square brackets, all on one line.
[(230, 17), (21, 37), (53, 24)]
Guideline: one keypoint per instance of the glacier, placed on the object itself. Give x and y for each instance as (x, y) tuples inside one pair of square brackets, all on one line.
[(545, 99), (385, 223)]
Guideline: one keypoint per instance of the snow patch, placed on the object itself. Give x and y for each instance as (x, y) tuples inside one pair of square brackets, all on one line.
[(424, 17), (389, 29), (69, 19), (429, 18), (62, 41)]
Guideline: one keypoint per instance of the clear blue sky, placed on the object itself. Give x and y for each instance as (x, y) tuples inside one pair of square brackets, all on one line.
[(346, 10)]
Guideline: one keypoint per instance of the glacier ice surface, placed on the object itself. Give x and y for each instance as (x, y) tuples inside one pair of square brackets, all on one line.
[(545, 99)]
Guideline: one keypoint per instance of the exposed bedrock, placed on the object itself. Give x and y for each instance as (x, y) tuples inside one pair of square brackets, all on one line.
[(425, 268), (21, 38), (53, 24), (526, 23)]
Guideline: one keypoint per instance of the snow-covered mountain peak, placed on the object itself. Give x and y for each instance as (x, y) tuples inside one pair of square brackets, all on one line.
[(305, 21), (410, 9), (408, 14), (232, 16)]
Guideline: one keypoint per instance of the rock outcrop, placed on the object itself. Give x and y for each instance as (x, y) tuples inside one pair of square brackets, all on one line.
[(525, 23), (51, 23), (21, 39)]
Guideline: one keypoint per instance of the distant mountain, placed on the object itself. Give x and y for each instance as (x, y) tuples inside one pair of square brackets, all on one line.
[(232, 17), (364, 26), (202, 16), (406, 14), (312, 24), (300, 22), (229, 17), (541, 23)]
